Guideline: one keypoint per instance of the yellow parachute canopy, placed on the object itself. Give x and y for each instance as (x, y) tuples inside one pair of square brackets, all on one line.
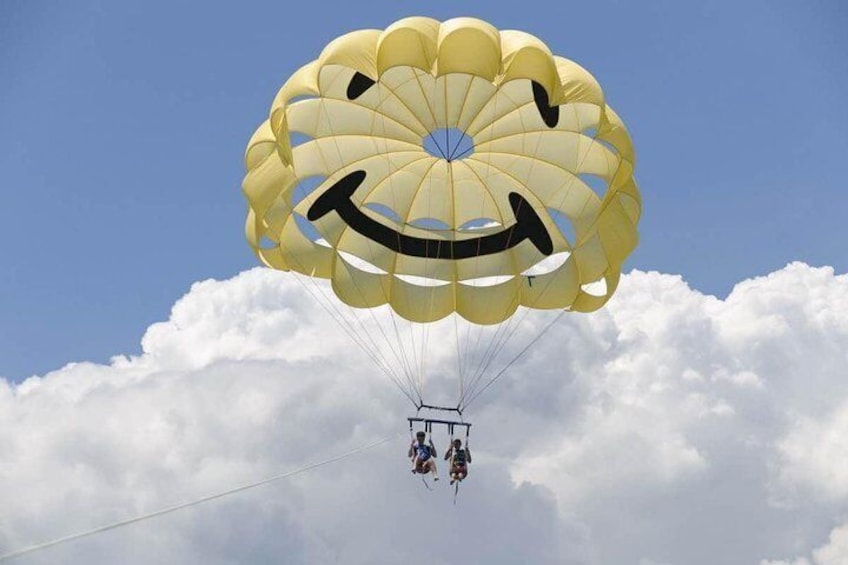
[(445, 167)]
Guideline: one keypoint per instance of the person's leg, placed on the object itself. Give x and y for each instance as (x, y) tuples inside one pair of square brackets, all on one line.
[(433, 469)]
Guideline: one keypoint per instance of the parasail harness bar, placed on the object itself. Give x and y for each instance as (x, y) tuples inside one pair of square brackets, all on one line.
[(457, 409), (428, 422)]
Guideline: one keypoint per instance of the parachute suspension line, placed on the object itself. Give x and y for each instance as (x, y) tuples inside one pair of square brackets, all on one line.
[(472, 353), (336, 314), (480, 364), (425, 342), (461, 369), (465, 152), (453, 156), (473, 364), (417, 374), (514, 359), (447, 123), (463, 360), (426, 327), (468, 355), (414, 376), (513, 324), (458, 357), (414, 367), (465, 357), (437, 144), (374, 351), (474, 368), (418, 377), (402, 358), (444, 153), (196, 502), (510, 328), (350, 330), (502, 336), (495, 342), (475, 394)]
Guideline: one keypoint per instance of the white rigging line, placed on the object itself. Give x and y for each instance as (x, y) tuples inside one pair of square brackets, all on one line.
[(309, 467), (514, 359)]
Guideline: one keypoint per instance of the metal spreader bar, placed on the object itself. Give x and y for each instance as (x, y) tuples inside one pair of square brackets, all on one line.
[(428, 424)]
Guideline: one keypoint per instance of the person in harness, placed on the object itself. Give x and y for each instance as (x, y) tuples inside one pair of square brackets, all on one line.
[(422, 456), (459, 458)]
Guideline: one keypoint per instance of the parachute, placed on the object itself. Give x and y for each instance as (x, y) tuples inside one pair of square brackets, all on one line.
[(443, 175)]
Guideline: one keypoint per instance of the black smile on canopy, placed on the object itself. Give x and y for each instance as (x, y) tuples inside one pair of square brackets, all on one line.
[(527, 225)]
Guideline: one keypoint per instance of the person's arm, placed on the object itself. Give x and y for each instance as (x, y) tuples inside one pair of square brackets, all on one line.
[(467, 455), (435, 452), (411, 449), (448, 452)]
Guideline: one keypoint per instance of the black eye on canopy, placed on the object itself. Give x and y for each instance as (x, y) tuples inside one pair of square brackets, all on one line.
[(358, 85), (550, 114)]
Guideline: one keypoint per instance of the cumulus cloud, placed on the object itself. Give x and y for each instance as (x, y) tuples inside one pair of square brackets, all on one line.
[(671, 427), (834, 552)]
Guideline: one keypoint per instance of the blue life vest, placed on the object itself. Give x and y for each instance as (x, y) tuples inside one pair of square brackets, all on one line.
[(423, 452)]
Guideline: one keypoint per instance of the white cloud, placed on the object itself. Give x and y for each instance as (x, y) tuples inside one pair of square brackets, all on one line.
[(670, 427), (834, 552), (813, 456)]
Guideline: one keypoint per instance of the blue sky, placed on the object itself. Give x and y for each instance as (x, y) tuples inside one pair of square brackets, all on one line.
[(122, 128), (667, 428)]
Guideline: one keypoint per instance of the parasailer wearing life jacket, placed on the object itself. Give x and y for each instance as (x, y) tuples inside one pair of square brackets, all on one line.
[(459, 458), (422, 455)]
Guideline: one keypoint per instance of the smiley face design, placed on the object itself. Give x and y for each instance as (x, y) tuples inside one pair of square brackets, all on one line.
[(445, 167)]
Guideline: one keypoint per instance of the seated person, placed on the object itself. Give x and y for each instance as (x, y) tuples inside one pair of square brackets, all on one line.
[(459, 460), (421, 454)]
